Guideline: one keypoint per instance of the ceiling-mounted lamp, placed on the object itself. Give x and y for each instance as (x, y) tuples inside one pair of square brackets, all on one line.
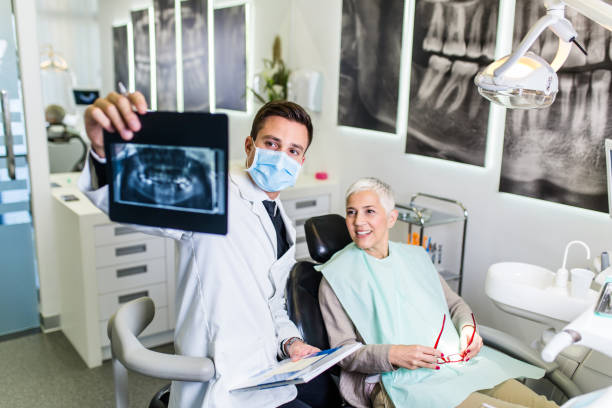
[(524, 80)]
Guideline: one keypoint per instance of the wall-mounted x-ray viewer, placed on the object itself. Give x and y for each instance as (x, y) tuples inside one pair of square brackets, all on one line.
[(172, 174), (609, 172)]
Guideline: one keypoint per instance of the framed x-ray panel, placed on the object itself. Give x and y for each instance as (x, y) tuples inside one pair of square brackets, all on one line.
[(608, 153), (452, 41), (555, 154), (120, 56), (370, 55), (194, 32), (142, 53), (165, 54), (230, 58), (172, 174)]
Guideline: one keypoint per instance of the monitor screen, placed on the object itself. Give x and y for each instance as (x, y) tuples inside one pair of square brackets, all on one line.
[(85, 96)]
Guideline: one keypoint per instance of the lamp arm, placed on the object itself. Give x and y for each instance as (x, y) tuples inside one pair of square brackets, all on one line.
[(527, 42)]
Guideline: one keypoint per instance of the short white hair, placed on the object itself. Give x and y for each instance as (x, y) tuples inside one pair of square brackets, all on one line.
[(382, 189)]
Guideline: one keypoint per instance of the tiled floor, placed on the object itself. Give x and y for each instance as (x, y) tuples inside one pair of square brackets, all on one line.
[(44, 370)]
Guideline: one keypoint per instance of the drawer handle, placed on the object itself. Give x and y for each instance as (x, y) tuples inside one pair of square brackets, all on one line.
[(132, 296), (135, 270), (299, 223), (130, 250), (305, 204), (124, 231), (300, 240)]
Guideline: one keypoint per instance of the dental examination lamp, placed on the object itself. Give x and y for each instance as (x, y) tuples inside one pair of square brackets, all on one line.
[(524, 80)]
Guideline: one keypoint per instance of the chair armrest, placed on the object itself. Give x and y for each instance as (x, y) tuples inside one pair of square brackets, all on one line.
[(518, 349), (129, 321), (514, 347)]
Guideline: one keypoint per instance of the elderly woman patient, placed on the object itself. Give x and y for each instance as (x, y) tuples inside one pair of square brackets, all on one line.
[(422, 347)]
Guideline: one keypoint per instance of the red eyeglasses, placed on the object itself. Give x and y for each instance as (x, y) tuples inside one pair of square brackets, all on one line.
[(457, 357)]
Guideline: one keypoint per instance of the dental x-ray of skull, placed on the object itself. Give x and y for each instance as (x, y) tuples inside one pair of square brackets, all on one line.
[(167, 177), (556, 153), (142, 52), (370, 64), (194, 17), (165, 54), (120, 55), (452, 41)]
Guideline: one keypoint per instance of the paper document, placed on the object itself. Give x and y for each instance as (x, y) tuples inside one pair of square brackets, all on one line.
[(296, 372)]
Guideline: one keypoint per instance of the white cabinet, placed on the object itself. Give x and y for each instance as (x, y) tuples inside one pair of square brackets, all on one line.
[(309, 198), (103, 265)]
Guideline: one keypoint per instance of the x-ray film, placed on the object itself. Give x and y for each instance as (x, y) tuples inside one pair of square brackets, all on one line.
[(173, 173)]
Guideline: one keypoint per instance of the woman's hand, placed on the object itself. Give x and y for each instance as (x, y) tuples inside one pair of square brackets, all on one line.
[(469, 351), (414, 356), (299, 349), (115, 113)]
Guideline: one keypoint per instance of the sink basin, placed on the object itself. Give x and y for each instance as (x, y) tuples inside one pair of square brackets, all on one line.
[(527, 291)]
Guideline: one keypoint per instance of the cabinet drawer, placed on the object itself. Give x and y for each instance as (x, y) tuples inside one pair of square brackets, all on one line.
[(131, 275), (109, 234), (130, 252), (110, 302), (299, 207), (158, 324)]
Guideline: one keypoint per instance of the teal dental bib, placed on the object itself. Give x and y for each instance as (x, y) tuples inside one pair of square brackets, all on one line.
[(399, 300)]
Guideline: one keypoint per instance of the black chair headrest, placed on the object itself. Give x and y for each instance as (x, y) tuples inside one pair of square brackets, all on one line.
[(326, 235)]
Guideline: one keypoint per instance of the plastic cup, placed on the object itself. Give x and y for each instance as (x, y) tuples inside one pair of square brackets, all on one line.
[(581, 282)]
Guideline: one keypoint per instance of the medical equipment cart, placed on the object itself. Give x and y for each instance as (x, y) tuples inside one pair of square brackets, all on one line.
[(417, 215)]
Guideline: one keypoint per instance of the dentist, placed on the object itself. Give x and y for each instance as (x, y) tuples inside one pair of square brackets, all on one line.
[(230, 289)]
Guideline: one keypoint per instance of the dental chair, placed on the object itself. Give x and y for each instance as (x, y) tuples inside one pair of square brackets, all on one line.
[(325, 235)]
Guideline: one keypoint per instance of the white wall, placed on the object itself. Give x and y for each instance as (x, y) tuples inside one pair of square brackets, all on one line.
[(502, 227)]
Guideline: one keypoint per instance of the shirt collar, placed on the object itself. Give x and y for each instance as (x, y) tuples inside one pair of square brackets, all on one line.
[(247, 188)]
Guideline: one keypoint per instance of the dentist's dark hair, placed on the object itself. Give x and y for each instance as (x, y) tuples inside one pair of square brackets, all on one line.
[(285, 109)]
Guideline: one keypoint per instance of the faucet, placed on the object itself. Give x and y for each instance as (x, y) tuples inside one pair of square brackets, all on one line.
[(562, 275)]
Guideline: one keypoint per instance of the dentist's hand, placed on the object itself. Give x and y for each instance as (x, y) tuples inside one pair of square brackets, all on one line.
[(473, 349), (414, 356), (299, 349), (115, 113)]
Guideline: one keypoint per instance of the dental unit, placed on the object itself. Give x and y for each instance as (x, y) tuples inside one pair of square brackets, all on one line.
[(524, 80)]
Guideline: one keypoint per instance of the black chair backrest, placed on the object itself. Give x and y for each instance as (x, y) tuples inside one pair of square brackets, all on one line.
[(325, 235)]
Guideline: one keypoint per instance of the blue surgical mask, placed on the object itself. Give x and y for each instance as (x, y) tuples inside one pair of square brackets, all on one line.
[(272, 170)]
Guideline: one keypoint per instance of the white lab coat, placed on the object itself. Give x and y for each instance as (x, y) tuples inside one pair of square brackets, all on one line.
[(230, 298)]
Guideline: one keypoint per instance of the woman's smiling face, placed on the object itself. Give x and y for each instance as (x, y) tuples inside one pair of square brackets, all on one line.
[(368, 223)]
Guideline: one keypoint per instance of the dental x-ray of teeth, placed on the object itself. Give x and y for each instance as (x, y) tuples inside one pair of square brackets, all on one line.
[(230, 58), (175, 178), (120, 55), (556, 153), (172, 174), (194, 15), (165, 54), (142, 52), (370, 57), (452, 41)]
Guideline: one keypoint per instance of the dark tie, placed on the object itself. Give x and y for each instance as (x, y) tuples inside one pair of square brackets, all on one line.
[(282, 245)]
